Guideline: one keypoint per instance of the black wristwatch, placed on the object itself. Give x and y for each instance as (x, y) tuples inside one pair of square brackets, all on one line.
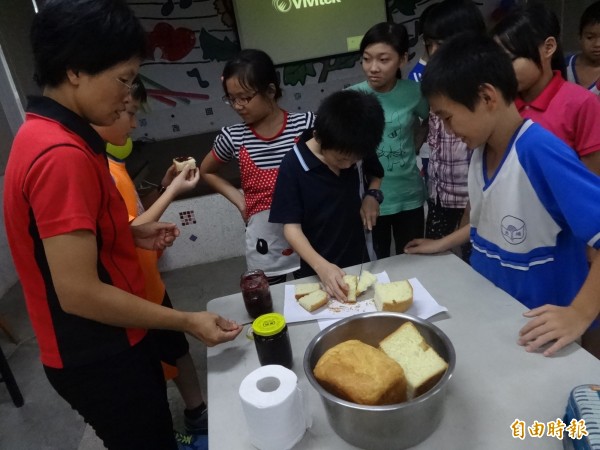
[(375, 193)]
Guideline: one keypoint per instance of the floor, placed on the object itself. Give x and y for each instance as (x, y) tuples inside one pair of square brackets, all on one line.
[(46, 422)]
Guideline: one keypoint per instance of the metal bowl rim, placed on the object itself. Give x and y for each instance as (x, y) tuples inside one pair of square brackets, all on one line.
[(394, 406)]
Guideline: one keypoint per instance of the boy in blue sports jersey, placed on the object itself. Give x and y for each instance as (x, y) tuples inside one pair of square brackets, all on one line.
[(533, 203)]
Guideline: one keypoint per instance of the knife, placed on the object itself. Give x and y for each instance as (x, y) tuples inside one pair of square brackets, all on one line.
[(362, 258)]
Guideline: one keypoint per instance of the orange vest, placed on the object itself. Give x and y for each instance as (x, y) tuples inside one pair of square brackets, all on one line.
[(155, 288)]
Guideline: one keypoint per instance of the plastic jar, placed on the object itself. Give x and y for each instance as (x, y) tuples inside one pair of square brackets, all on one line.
[(272, 340), (256, 293)]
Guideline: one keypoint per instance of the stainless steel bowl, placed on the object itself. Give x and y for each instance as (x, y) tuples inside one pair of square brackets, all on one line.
[(396, 426)]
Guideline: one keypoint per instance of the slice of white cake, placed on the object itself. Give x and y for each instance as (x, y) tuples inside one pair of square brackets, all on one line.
[(302, 289), (351, 281), (314, 300), (423, 367), (367, 279), (396, 296)]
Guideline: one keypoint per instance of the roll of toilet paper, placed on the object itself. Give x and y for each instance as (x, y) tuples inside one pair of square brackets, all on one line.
[(273, 407)]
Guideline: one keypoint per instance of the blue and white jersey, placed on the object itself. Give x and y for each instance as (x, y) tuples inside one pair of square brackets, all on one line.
[(531, 221), (417, 72), (594, 88)]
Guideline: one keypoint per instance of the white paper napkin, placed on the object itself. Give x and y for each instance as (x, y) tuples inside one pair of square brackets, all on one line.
[(424, 305)]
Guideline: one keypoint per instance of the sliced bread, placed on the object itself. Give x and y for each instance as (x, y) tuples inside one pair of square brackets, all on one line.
[(351, 281), (355, 371), (367, 279), (302, 289), (396, 296), (423, 367), (314, 300)]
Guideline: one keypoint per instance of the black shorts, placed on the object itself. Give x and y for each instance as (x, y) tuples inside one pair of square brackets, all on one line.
[(170, 345), (123, 397)]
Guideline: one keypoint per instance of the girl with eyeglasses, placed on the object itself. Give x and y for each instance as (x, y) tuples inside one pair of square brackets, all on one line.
[(258, 144)]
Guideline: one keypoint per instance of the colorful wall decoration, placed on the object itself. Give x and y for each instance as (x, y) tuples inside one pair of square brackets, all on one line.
[(190, 41)]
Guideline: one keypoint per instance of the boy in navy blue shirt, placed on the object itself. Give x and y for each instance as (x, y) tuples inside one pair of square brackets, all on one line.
[(327, 191), (533, 202)]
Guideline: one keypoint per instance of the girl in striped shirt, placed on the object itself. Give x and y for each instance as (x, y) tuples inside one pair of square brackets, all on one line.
[(258, 144)]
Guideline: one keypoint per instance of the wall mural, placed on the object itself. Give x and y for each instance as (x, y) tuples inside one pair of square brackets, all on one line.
[(190, 41)]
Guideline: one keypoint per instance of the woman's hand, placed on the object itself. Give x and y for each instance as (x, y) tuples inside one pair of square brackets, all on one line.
[(211, 328)]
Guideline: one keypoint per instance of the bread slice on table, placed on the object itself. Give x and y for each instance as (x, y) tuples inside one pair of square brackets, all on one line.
[(302, 289), (422, 365), (355, 371), (351, 281), (367, 279), (396, 296), (314, 300)]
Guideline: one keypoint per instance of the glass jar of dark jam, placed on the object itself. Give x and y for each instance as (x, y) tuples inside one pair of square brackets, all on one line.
[(256, 293), (272, 340)]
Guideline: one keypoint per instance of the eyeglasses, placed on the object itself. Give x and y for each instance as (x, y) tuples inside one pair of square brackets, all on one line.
[(239, 101), (130, 87)]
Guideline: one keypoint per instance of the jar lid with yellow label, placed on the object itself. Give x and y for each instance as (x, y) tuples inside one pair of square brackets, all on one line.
[(268, 324)]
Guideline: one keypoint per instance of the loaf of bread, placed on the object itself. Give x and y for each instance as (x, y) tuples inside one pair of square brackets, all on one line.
[(396, 296), (362, 374), (423, 367), (314, 300), (182, 161), (367, 279), (302, 289)]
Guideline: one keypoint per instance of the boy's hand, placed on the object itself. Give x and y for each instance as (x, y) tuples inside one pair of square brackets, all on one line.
[(154, 235), (369, 212), (332, 278), (170, 175), (185, 181), (423, 246), (552, 323)]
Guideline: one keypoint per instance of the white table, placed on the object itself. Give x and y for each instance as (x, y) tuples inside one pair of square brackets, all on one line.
[(495, 381)]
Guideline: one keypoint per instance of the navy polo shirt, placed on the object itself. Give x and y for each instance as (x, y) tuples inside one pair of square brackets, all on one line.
[(327, 206)]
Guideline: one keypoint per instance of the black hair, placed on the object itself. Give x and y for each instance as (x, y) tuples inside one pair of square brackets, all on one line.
[(350, 122), (83, 35), (254, 70), (591, 16), (525, 28), (423, 19), (463, 64), (392, 34), (450, 17)]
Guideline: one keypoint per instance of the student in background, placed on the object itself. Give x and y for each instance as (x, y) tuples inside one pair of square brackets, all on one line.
[(70, 237), (258, 144), (531, 37), (450, 156), (384, 50), (319, 192), (415, 75), (531, 215), (583, 68), (172, 345)]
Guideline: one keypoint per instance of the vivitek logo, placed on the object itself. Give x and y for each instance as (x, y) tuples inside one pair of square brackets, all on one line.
[(286, 5)]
